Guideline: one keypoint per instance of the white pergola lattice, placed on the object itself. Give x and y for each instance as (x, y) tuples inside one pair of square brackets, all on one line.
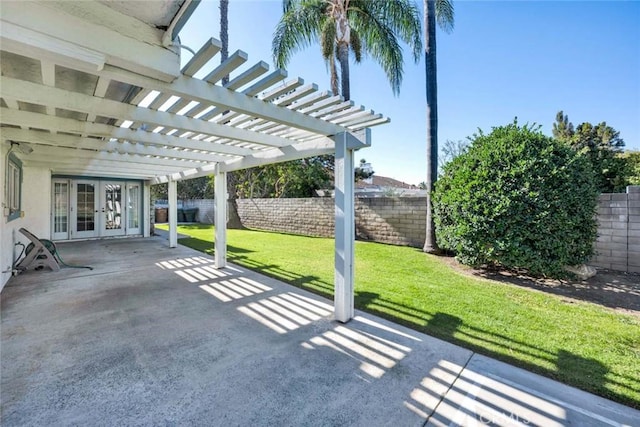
[(97, 90)]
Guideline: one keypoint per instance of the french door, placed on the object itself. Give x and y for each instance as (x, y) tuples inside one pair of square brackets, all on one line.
[(83, 208), (111, 223)]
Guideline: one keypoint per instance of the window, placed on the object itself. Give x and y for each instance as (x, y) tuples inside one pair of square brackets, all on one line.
[(14, 186)]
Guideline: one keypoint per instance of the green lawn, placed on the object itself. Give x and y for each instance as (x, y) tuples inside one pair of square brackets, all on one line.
[(578, 343)]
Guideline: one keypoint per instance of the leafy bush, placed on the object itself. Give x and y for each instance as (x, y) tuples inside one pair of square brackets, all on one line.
[(519, 200)]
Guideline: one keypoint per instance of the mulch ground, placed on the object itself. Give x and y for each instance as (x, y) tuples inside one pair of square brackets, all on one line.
[(613, 289)]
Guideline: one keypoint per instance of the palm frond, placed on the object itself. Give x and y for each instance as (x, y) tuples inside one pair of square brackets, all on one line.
[(401, 16), (356, 46), (445, 15), (328, 39), (298, 28), (379, 41)]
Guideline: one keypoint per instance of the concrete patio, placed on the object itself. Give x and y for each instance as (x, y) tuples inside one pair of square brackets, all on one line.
[(157, 336)]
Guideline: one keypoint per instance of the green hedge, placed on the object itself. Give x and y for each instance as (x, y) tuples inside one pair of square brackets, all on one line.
[(519, 200)]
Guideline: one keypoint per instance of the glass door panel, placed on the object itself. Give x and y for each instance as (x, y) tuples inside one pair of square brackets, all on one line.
[(133, 208), (60, 225), (83, 220), (111, 210)]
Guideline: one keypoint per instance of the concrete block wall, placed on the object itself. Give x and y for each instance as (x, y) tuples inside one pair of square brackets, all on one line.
[(206, 209), (618, 243), (309, 217), (392, 220)]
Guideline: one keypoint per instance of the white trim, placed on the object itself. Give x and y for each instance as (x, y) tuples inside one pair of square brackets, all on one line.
[(221, 196), (70, 34), (173, 214), (344, 230)]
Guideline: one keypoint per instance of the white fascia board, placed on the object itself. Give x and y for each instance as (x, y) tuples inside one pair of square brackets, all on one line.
[(60, 98), (127, 46), (60, 124), (20, 41)]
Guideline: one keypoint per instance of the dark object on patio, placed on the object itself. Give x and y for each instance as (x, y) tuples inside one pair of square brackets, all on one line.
[(162, 215), (181, 217), (42, 253), (190, 214)]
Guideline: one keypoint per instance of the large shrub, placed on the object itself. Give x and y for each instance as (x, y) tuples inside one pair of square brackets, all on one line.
[(519, 200)]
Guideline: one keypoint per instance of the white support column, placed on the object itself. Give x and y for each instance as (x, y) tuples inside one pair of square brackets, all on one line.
[(220, 254), (345, 226), (173, 214), (146, 209)]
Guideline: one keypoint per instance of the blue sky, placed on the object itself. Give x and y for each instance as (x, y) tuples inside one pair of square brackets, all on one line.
[(503, 59)]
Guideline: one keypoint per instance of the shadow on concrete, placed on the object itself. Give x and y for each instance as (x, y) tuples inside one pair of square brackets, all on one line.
[(588, 374), (452, 329)]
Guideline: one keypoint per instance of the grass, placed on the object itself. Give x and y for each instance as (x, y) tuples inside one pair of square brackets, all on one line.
[(578, 343)]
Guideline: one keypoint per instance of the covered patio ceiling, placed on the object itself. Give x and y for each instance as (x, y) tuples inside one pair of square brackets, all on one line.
[(94, 97)]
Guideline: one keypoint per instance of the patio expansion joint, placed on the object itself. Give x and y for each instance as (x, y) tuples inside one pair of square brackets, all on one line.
[(435, 409)]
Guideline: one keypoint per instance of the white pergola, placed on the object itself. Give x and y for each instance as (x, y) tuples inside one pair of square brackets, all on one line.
[(96, 89)]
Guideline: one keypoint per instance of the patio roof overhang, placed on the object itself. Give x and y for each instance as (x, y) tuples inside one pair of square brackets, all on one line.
[(92, 90)]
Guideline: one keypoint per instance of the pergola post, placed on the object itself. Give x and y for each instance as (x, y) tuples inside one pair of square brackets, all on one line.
[(220, 188), (344, 232), (173, 213), (146, 208)]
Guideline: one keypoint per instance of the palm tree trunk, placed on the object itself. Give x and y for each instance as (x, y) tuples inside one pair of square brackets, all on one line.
[(430, 245), (343, 58), (233, 218), (224, 34)]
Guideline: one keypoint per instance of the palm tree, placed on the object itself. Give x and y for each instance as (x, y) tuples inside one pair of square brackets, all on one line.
[(440, 11), (233, 220), (224, 34), (340, 26)]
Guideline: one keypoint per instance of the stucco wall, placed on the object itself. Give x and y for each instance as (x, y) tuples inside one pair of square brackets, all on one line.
[(36, 205)]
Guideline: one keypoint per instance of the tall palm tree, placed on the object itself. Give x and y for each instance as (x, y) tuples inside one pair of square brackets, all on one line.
[(360, 26), (440, 11), (233, 220), (224, 34)]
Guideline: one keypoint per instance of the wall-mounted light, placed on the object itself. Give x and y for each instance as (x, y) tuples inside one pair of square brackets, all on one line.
[(22, 147)]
